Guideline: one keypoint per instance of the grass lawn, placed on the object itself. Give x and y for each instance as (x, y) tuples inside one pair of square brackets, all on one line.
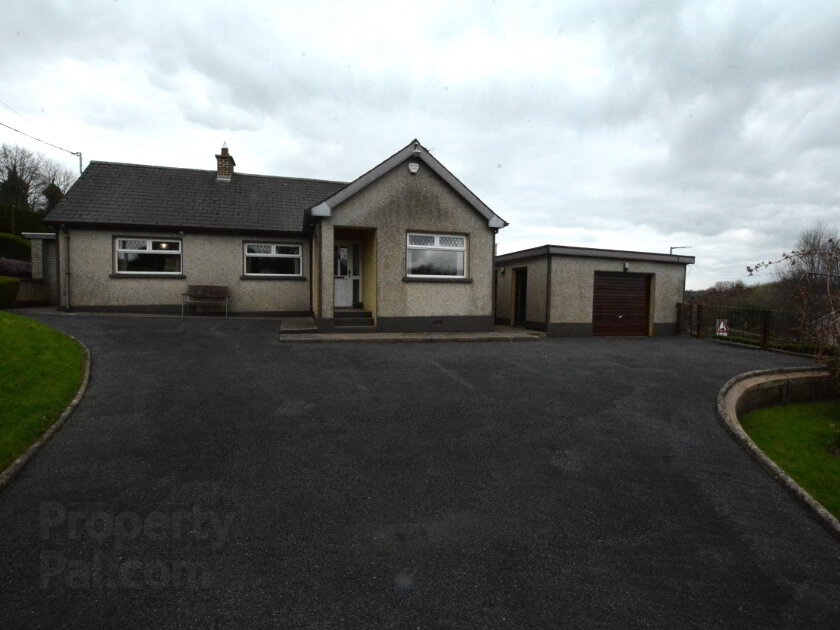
[(802, 440), (40, 372)]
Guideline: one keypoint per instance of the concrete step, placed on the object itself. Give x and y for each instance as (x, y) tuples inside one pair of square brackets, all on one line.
[(352, 330), (298, 326), (352, 314), (349, 322)]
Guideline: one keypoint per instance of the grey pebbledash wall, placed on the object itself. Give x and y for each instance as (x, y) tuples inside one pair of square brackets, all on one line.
[(401, 202), (206, 259)]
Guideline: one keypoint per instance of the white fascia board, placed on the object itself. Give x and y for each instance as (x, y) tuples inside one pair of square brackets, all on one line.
[(43, 236), (322, 210)]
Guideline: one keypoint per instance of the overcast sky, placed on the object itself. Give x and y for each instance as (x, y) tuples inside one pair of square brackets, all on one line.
[(626, 125)]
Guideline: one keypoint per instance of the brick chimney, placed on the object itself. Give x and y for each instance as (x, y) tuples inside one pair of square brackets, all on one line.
[(224, 165)]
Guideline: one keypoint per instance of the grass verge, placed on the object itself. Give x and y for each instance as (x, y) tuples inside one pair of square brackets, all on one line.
[(803, 440), (40, 372)]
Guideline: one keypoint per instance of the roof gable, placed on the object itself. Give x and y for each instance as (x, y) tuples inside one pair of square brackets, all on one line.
[(413, 150)]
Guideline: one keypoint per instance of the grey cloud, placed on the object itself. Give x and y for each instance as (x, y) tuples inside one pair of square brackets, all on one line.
[(714, 122)]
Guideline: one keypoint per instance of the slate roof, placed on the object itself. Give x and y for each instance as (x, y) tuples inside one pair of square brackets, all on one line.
[(111, 193)]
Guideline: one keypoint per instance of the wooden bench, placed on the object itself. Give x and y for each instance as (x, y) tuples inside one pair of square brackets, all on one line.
[(204, 294)]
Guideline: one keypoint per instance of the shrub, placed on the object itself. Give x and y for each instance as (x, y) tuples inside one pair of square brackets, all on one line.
[(15, 268), (8, 291), (15, 247)]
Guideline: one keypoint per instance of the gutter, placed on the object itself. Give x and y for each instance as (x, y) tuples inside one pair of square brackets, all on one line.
[(67, 266), (548, 292)]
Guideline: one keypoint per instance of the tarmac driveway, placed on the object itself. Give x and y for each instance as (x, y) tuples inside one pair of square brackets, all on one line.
[(213, 477)]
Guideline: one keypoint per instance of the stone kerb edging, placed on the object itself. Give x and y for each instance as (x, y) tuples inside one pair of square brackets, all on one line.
[(762, 388), (7, 475)]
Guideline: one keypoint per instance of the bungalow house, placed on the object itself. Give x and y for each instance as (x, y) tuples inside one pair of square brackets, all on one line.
[(404, 247)]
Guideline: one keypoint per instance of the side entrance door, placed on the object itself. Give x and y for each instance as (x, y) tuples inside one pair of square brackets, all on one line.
[(520, 296)]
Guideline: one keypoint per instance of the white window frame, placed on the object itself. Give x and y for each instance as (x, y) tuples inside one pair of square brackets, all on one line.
[(437, 246), (246, 255), (125, 250)]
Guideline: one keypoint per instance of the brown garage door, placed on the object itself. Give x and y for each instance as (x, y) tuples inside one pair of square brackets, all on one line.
[(620, 305)]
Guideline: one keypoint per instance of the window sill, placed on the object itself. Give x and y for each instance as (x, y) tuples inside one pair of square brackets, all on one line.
[(444, 280), (148, 276), (275, 278)]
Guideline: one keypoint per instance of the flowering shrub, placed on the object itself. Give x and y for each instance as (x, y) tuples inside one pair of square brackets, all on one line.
[(15, 268)]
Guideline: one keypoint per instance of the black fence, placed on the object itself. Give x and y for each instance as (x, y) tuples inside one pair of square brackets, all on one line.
[(784, 330)]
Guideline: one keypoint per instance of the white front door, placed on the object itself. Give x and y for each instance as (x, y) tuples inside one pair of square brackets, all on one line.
[(343, 276)]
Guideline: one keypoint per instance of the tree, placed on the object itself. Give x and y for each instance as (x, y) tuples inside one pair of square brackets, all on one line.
[(37, 171), (54, 180), (30, 185), (52, 193), (811, 273), (14, 196), (25, 164)]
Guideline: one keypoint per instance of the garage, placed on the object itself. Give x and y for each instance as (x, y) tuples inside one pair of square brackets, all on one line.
[(621, 304), (581, 291)]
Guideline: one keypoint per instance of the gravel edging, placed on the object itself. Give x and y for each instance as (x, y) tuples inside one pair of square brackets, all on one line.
[(11, 471), (725, 409)]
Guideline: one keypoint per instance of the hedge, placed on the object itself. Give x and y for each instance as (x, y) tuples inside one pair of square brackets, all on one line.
[(8, 291), (15, 247), (24, 221)]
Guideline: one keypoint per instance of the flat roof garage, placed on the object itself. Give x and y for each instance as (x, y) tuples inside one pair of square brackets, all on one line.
[(576, 291)]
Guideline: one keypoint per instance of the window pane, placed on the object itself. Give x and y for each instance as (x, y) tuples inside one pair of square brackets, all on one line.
[(151, 263), (427, 240), (451, 241), (341, 263), (256, 248), (133, 244), (271, 265), (288, 249), (435, 262), (166, 246)]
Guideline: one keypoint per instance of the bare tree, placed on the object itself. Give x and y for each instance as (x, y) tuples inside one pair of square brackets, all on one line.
[(812, 273), (53, 182), (37, 172), (24, 163)]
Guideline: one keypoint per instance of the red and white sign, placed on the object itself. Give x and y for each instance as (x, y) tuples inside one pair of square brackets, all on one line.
[(722, 327)]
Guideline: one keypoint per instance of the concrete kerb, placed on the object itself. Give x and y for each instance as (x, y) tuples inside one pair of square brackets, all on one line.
[(374, 337), (727, 413), (11, 471)]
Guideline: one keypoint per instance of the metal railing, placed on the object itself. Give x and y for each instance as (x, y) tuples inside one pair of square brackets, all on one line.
[(786, 330)]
